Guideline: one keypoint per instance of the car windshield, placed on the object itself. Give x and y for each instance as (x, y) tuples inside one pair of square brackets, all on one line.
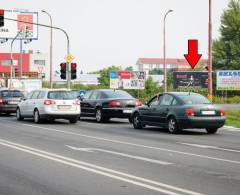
[(61, 95), (194, 99), (75, 93), (12, 94), (117, 94)]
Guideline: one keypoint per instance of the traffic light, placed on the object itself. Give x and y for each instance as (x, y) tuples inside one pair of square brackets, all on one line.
[(63, 70), (1, 17), (73, 71)]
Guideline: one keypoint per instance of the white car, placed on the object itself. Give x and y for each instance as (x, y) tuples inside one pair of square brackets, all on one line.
[(49, 104)]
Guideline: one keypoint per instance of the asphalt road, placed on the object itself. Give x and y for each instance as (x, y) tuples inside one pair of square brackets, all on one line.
[(113, 158)]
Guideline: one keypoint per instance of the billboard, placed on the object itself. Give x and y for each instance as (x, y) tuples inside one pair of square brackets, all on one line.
[(26, 84), (228, 80), (127, 80), (190, 79), (11, 28)]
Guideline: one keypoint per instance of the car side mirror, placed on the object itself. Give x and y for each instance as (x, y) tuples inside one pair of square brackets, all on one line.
[(146, 103), (23, 98), (81, 98)]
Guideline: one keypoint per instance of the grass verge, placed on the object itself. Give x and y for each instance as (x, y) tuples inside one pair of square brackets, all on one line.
[(233, 118)]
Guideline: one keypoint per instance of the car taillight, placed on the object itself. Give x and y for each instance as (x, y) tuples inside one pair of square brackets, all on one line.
[(138, 103), (189, 112), (49, 102), (1, 101), (222, 112), (77, 102), (114, 104)]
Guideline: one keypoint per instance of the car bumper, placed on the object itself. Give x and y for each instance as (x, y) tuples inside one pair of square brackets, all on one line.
[(8, 108), (201, 122), (57, 116), (117, 112)]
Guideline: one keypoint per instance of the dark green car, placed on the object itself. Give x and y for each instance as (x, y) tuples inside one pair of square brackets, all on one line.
[(179, 110)]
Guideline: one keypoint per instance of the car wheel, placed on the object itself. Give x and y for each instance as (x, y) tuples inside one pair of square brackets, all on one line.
[(173, 126), (73, 120), (130, 119), (18, 115), (99, 116), (211, 130), (36, 116), (137, 124)]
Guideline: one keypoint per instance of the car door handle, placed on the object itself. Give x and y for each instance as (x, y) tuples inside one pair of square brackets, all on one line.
[(167, 109)]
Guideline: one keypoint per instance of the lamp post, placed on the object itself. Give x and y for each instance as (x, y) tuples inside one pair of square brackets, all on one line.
[(164, 50), (210, 90), (50, 76)]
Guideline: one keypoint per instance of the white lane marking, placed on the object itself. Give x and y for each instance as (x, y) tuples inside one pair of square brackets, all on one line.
[(136, 145), (209, 147), (98, 169), (121, 154)]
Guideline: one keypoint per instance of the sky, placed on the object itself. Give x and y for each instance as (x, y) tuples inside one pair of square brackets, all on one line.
[(118, 32)]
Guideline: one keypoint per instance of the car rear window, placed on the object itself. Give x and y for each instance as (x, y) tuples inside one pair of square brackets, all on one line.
[(117, 94), (61, 95), (194, 99), (11, 94)]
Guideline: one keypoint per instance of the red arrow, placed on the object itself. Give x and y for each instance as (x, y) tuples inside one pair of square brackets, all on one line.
[(193, 57)]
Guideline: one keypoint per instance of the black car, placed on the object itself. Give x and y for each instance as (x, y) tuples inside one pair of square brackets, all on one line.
[(179, 110), (104, 104), (9, 100)]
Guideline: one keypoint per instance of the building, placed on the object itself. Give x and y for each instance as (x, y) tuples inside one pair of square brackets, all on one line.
[(32, 64), (148, 64)]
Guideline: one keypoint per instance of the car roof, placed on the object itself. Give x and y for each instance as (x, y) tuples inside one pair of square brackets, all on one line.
[(106, 90), (182, 93)]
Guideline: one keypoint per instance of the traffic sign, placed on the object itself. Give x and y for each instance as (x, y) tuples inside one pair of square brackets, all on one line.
[(69, 58)]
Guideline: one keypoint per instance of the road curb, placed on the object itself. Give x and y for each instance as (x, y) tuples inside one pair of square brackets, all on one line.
[(231, 128)]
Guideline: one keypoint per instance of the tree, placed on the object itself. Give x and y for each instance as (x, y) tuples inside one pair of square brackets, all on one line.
[(104, 75), (226, 50), (129, 68), (156, 71)]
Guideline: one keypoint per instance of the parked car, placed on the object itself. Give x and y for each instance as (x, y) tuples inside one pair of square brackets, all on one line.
[(179, 110), (104, 104), (49, 104), (9, 100)]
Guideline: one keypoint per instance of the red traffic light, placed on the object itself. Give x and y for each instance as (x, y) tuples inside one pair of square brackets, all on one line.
[(63, 65), (1, 12), (73, 65)]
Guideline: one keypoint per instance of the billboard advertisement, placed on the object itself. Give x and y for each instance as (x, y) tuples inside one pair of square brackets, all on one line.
[(228, 80), (11, 28), (127, 80), (190, 79), (26, 84)]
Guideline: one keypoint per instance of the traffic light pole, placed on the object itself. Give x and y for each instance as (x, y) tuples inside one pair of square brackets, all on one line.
[(68, 44)]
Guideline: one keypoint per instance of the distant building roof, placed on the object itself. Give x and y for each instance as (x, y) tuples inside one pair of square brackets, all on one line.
[(173, 61)]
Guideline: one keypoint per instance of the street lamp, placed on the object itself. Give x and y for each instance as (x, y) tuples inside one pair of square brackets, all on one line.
[(164, 51), (50, 77)]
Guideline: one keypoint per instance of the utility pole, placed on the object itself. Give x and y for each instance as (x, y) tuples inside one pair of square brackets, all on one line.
[(210, 88)]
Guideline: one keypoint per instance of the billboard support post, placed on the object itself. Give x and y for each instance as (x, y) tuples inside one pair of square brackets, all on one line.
[(21, 59), (11, 71)]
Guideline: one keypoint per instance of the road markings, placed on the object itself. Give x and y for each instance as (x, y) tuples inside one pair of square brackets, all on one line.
[(139, 181), (209, 147), (120, 154), (136, 145)]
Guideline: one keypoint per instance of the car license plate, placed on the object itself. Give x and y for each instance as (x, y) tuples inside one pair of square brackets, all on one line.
[(127, 111), (64, 107), (208, 112), (12, 102)]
